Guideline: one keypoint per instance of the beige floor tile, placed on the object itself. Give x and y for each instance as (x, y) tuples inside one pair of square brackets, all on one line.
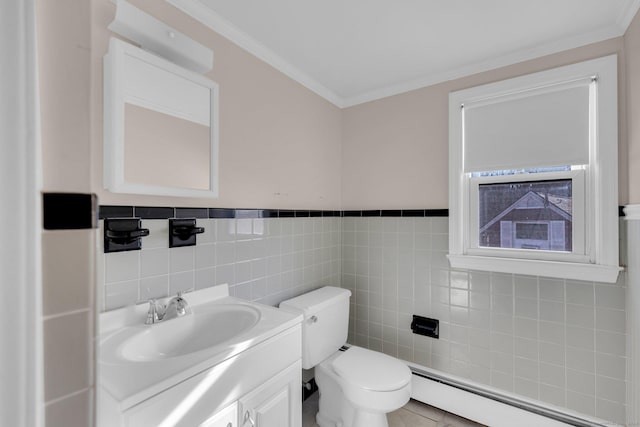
[(413, 414), (425, 410), (405, 418), (456, 421)]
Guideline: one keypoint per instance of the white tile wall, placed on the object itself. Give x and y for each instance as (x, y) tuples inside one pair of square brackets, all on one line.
[(558, 341), (266, 260)]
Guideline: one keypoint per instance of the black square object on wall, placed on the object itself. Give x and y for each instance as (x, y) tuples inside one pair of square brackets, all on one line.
[(425, 326), (69, 211)]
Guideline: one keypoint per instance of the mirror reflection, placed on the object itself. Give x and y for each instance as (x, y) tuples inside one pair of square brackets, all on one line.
[(165, 150)]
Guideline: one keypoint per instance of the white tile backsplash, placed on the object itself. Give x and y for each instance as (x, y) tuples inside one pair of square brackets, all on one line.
[(154, 262), (119, 294), (158, 232), (121, 266), (181, 259), (255, 257), (154, 287)]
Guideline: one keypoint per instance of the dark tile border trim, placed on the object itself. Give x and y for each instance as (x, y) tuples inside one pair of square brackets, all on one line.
[(192, 213), (150, 212), (69, 211), (108, 211), (222, 213), (416, 213), (153, 212)]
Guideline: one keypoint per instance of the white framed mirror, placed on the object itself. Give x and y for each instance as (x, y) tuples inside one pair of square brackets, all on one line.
[(160, 126)]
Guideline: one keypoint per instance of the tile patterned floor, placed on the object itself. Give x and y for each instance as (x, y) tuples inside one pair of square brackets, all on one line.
[(413, 414)]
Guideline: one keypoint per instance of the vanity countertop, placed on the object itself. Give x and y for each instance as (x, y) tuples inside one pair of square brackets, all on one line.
[(131, 381)]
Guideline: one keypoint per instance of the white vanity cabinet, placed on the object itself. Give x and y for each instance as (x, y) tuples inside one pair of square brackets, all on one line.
[(226, 418), (276, 403), (259, 373), (265, 379)]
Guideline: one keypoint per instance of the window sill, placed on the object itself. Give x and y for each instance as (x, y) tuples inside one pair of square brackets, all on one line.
[(562, 270)]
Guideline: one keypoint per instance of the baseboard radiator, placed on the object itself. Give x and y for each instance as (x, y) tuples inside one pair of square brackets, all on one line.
[(489, 407)]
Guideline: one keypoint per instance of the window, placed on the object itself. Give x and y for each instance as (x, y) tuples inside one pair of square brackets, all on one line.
[(533, 174), (533, 215)]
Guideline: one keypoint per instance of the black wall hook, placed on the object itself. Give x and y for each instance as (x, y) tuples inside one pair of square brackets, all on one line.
[(123, 234), (183, 231)]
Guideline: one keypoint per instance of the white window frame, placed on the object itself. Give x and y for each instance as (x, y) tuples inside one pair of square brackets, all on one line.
[(595, 185)]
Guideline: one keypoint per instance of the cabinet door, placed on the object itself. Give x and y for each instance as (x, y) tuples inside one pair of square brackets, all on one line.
[(224, 418), (276, 403)]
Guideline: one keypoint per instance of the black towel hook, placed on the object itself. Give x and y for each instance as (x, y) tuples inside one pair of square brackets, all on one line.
[(183, 231), (123, 234)]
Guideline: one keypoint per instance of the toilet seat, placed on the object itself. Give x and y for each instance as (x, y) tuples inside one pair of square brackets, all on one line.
[(371, 370)]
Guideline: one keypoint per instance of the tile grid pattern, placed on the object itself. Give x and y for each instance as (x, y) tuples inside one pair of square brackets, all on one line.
[(558, 341), (68, 318), (262, 259)]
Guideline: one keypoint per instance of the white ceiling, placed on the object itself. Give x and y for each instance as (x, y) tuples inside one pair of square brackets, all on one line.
[(353, 51)]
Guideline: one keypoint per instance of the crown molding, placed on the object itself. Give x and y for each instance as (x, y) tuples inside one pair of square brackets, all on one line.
[(217, 23), (602, 34)]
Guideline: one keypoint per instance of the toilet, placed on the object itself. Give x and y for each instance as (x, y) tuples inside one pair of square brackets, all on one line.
[(358, 387)]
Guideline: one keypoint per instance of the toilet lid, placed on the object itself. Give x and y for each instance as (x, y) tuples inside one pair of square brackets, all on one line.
[(372, 370)]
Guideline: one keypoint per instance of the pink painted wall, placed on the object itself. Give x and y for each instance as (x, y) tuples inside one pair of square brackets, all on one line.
[(632, 53), (395, 150), (280, 144), (64, 41)]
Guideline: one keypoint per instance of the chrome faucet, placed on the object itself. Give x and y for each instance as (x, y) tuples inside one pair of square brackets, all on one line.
[(177, 307)]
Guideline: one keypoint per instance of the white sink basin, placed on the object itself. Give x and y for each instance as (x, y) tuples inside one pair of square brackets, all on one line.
[(208, 327), (137, 361)]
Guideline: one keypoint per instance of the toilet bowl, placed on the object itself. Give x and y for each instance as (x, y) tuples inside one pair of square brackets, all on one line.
[(372, 384), (358, 387)]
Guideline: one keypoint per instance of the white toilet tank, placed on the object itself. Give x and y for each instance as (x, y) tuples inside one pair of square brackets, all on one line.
[(326, 322)]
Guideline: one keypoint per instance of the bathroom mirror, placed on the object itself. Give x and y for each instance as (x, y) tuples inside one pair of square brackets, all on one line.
[(160, 126)]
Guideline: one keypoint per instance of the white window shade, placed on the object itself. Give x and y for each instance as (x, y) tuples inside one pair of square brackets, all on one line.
[(549, 128)]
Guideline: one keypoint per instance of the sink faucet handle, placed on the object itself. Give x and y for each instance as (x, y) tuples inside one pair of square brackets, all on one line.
[(152, 314), (182, 306)]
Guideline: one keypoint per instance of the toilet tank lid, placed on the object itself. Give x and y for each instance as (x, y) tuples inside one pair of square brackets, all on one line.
[(313, 301)]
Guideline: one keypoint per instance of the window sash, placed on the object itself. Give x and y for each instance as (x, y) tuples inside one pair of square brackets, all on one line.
[(581, 240)]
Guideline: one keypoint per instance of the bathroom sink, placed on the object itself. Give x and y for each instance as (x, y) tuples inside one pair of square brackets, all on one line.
[(205, 328), (137, 361)]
